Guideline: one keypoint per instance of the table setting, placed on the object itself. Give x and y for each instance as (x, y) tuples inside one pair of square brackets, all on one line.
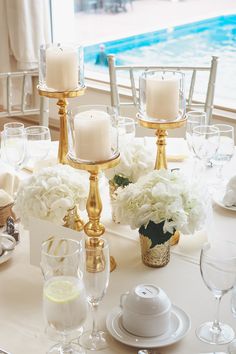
[(115, 243)]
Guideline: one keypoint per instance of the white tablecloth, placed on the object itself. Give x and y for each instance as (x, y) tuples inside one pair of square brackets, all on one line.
[(21, 316)]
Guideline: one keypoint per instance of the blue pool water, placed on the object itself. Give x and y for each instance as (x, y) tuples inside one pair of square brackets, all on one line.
[(190, 44)]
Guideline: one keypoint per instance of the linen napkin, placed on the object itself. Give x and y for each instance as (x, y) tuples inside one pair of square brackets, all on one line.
[(9, 181), (230, 194)]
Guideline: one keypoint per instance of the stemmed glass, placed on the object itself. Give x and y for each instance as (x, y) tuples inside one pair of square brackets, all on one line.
[(64, 297), (38, 142), (14, 139), (205, 142), (226, 148), (96, 279), (218, 271), (194, 119)]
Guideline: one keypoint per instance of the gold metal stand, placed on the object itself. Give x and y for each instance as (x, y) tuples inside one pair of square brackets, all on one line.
[(161, 133), (161, 160), (93, 228), (62, 112)]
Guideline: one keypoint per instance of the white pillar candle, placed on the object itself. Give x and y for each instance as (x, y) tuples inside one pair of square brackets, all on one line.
[(61, 68), (93, 136), (193, 242), (162, 98)]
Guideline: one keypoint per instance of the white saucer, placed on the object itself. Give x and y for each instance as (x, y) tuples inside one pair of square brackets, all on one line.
[(180, 325), (5, 256), (218, 199)]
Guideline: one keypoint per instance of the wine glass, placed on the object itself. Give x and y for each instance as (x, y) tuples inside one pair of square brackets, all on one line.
[(38, 142), (14, 139), (194, 119), (96, 279), (205, 142), (64, 297), (226, 148), (218, 271)]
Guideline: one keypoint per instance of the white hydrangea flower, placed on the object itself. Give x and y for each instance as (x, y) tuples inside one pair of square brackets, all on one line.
[(49, 194), (137, 159), (161, 196)]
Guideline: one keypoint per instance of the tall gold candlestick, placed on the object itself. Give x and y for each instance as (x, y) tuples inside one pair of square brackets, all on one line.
[(161, 133), (62, 112), (94, 228)]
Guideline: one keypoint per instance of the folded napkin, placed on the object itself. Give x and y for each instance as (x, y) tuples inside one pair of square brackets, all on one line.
[(9, 181), (5, 198), (230, 194)]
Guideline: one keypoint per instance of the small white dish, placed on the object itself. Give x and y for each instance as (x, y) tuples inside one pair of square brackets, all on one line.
[(5, 256), (179, 327), (218, 199)]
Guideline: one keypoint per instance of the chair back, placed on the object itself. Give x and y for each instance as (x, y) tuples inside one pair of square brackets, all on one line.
[(24, 79), (200, 101)]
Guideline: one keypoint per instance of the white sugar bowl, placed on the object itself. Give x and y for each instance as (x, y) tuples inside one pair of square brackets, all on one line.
[(146, 310)]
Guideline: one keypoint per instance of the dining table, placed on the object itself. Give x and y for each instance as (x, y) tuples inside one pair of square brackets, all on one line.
[(22, 323)]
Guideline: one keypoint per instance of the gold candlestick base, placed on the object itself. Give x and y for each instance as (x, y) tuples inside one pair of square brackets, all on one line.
[(161, 133), (93, 228), (62, 112)]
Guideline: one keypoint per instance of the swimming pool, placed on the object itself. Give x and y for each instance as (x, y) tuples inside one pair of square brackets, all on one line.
[(190, 44)]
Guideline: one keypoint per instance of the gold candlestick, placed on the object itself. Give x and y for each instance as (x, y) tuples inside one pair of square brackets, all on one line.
[(161, 133), (62, 112), (93, 228)]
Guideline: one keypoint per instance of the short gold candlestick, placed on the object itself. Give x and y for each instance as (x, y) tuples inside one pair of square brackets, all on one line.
[(62, 112), (161, 133), (94, 228)]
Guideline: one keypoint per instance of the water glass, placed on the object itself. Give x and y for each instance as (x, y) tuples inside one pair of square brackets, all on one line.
[(226, 147), (38, 142), (218, 271), (64, 297), (205, 142), (14, 142), (126, 130), (96, 278)]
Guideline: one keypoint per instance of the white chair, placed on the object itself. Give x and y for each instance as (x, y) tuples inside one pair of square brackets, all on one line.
[(203, 101), (11, 110)]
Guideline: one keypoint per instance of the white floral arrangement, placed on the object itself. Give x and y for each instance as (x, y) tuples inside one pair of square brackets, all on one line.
[(161, 196), (49, 194), (137, 158)]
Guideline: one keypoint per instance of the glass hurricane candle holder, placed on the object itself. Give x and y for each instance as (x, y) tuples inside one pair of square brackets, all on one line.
[(61, 67), (93, 134), (162, 97)]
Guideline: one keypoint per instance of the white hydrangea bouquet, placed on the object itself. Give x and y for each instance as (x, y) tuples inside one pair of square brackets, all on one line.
[(49, 194), (136, 160), (158, 204)]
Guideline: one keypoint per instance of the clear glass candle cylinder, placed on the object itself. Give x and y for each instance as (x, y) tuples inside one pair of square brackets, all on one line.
[(93, 134), (161, 96), (61, 67)]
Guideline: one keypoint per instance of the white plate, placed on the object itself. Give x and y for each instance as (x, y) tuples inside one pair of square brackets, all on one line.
[(5, 256), (218, 199), (180, 325)]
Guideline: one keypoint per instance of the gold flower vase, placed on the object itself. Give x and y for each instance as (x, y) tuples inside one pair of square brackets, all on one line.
[(155, 245)]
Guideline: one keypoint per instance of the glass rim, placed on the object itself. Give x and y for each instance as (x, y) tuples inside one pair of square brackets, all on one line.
[(227, 128), (196, 113), (207, 245), (110, 110), (46, 129), (44, 243), (174, 72), (207, 126), (19, 125)]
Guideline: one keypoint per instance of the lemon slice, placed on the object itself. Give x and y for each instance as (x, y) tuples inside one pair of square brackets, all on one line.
[(62, 290)]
